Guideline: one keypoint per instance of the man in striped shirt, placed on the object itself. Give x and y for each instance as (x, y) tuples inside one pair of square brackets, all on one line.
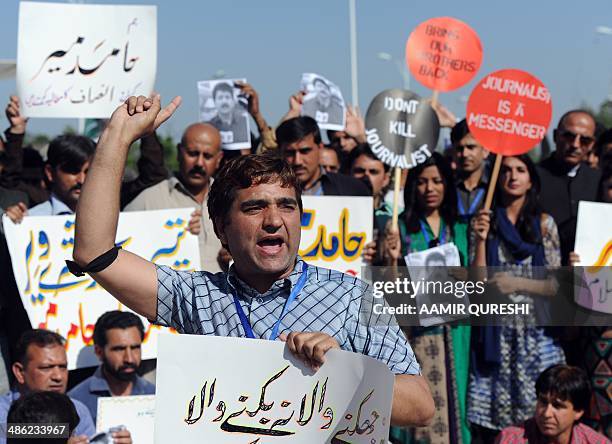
[(270, 293)]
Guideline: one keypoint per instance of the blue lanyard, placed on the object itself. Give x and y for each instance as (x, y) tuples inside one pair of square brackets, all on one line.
[(426, 234), (294, 292), (473, 206)]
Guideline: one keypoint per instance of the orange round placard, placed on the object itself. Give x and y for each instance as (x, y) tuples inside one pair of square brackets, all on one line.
[(443, 53)]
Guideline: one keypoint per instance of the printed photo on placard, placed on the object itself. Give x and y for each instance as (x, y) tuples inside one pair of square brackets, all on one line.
[(323, 102), (222, 106)]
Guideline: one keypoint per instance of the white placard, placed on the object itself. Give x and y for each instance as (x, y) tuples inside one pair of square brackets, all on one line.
[(237, 390), (76, 60), (334, 231), (594, 246), (57, 300), (136, 413)]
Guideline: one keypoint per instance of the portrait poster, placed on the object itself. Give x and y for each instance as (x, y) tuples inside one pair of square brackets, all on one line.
[(431, 268), (223, 106), (90, 60), (323, 102)]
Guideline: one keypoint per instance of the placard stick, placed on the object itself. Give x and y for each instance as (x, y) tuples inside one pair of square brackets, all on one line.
[(493, 181), (434, 97), (397, 179)]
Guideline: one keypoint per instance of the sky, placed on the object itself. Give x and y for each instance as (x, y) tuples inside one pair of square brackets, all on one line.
[(272, 42)]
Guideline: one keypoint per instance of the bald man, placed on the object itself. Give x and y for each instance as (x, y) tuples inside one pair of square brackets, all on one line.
[(199, 154)]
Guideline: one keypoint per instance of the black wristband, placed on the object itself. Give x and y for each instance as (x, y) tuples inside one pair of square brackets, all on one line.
[(95, 266)]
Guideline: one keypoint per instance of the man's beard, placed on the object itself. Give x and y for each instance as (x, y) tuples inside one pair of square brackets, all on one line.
[(120, 373)]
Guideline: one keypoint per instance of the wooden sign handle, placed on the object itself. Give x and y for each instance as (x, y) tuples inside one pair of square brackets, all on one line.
[(435, 97), (493, 181)]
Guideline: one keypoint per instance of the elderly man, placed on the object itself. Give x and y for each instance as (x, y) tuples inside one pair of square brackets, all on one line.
[(565, 177), (255, 206)]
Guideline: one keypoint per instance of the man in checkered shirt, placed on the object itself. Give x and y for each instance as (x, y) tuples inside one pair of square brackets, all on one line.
[(269, 292)]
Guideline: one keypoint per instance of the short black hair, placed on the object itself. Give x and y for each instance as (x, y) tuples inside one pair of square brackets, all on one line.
[(43, 407), (115, 319), (222, 86), (69, 152), (296, 129), (39, 337), (566, 383), (363, 149), (459, 131)]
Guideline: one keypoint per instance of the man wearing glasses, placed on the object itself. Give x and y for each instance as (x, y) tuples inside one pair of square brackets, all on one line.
[(565, 177)]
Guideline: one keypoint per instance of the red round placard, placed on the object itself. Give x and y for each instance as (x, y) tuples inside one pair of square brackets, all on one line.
[(509, 112)]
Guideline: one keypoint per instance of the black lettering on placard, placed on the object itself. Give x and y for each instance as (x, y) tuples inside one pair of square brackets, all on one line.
[(439, 31), (436, 72)]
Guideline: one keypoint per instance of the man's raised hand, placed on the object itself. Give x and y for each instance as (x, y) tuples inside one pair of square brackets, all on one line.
[(140, 116)]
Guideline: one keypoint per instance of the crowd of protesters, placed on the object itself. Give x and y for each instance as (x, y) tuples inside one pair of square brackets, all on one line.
[(508, 384)]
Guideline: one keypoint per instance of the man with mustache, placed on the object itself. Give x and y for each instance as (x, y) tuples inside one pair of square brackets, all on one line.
[(199, 154), (566, 178), (117, 336)]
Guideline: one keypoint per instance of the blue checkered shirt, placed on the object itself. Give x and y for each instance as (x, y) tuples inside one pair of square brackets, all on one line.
[(331, 302)]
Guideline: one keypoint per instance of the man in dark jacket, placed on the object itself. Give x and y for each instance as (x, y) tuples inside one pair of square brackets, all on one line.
[(299, 141), (565, 178)]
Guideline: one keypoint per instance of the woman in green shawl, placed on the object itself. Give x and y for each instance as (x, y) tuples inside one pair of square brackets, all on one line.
[(430, 219)]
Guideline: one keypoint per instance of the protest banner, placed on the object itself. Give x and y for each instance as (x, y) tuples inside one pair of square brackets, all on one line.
[(56, 300), (593, 285), (443, 53), (136, 413), (224, 106), (508, 112), (323, 102), (91, 59), (209, 390), (402, 131), (334, 231)]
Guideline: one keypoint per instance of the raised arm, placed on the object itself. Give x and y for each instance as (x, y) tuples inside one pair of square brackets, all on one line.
[(131, 279)]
